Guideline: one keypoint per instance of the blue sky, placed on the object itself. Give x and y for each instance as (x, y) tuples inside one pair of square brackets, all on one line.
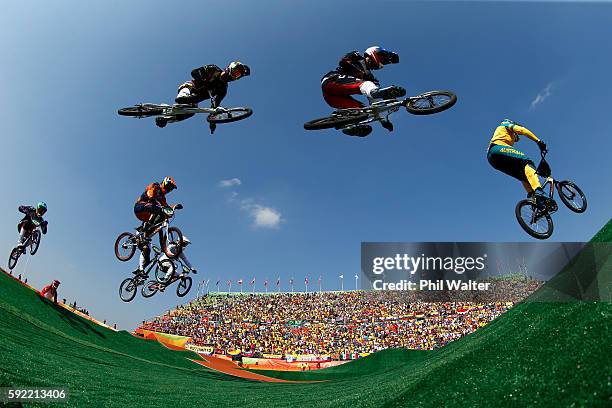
[(68, 67)]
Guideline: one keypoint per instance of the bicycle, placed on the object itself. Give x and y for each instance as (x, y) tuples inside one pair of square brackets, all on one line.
[(127, 242), (32, 240), (424, 104), (215, 115), (535, 218), (129, 286), (159, 285)]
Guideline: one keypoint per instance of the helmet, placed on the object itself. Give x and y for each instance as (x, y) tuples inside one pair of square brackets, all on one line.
[(236, 70), (186, 241), (379, 56), (508, 123), (168, 184), (41, 208), (56, 283)]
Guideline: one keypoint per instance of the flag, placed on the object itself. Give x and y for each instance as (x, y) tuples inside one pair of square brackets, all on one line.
[(306, 281), (278, 281), (218, 282), (252, 282), (266, 283), (229, 283), (291, 281), (240, 281), (319, 279), (341, 276)]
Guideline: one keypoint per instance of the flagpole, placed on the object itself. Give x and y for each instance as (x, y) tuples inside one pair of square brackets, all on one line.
[(356, 277), (342, 283)]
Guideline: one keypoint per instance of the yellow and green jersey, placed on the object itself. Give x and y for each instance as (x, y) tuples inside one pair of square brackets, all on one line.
[(507, 133)]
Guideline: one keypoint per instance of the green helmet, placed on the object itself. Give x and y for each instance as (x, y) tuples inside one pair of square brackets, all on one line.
[(41, 207)]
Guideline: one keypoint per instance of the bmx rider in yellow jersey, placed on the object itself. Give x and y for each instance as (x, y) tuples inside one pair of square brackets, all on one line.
[(503, 156)]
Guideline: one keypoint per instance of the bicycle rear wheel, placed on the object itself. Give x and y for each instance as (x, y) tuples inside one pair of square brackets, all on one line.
[(230, 115), (35, 243), (127, 290), (149, 289), (140, 111), (13, 258), (430, 102), (125, 246), (335, 121), (184, 286), (533, 220), (572, 196)]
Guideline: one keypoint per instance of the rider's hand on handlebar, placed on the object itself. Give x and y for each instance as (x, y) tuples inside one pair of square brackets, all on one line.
[(178, 206), (212, 127), (168, 211), (542, 145)]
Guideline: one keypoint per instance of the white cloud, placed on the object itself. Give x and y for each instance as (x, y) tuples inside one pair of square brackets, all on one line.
[(233, 182), (543, 95), (263, 216)]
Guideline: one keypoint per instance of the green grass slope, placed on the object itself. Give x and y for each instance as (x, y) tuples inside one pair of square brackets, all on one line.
[(541, 353)]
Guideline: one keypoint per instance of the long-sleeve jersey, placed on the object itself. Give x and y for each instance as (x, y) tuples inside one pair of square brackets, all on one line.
[(207, 81), (32, 218), (351, 64), (508, 134), (153, 194)]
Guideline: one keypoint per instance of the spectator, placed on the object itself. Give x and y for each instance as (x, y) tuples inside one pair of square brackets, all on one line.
[(50, 291)]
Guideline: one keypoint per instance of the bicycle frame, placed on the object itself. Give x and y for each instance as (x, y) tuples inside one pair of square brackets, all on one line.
[(182, 109), (376, 110)]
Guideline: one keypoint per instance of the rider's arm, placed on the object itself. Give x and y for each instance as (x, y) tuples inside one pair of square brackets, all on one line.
[(521, 130), (26, 209), (43, 227), (218, 97)]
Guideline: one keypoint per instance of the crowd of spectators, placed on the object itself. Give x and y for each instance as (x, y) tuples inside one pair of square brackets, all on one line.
[(335, 323)]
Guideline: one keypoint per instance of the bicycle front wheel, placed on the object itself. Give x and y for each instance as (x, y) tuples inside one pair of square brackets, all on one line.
[(127, 290), (230, 115), (13, 258), (140, 111), (149, 289), (533, 220), (572, 196), (184, 286), (35, 243), (431, 102), (335, 121), (125, 246)]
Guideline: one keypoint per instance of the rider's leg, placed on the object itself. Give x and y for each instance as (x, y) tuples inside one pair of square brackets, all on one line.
[(23, 235), (186, 261), (373, 91), (145, 257), (532, 178), (337, 94)]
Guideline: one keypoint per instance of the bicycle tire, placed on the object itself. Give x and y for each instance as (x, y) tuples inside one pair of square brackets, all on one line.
[(149, 289), (176, 237), (184, 286), (35, 243), (526, 225), (230, 115), (14, 258), (568, 200), (160, 272), (412, 105), (127, 290), (140, 111), (118, 245), (335, 121)]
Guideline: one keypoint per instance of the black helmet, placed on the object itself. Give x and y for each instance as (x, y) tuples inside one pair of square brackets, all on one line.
[(236, 70)]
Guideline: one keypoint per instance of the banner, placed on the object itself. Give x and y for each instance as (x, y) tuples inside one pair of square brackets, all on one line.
[(209, 350)]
